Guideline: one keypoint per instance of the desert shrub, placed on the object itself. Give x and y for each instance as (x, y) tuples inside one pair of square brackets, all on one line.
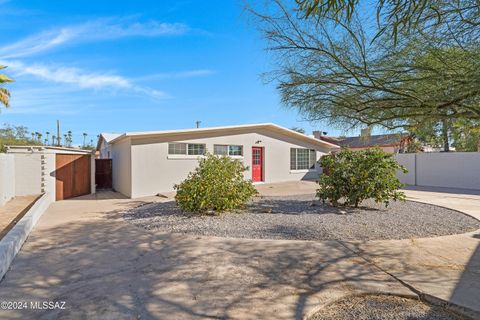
[(216, 185), (354, 176)]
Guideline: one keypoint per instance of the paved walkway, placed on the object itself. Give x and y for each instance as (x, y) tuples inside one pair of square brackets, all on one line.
[(83, 253), (104, 268), (445, 267)]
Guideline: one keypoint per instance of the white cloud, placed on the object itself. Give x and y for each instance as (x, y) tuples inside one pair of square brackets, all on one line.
[(97, 30), (177, 75), (80, 78)]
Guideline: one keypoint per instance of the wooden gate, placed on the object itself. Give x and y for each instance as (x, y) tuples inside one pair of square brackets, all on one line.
[(103, 173), (72, 174)]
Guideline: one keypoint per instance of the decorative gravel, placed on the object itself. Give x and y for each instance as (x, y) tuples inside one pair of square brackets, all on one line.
[(302, 217), (382, 308)]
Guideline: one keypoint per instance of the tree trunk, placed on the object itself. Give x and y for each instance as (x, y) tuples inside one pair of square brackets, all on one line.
[(446, 142)]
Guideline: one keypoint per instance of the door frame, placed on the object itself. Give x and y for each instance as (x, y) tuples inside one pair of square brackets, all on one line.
[(262, 164)]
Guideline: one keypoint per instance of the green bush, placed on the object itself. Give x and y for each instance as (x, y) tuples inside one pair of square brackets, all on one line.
[(354, 176), (217, 185)]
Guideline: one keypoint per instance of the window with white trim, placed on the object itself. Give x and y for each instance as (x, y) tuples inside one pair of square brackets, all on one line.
[(186, 148), (302, 159), (231, 150), (177, 148), (196, 149), (220, 149)]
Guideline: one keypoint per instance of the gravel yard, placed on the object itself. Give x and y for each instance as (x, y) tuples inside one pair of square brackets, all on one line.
[(302, 217), (382, 308)]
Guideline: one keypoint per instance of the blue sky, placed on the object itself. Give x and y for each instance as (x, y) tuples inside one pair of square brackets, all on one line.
[(116, 66)]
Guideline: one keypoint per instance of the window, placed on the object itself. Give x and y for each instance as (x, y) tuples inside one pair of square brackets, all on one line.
[(231, 150), (177, 148), (196, 149), (302, 159), (235, 150), (220, 150), (186, 148)]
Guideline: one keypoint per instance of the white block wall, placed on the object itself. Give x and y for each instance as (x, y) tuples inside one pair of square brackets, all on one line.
[(443, 169), (28, 175), (23, 174), (408, 161), (7, 178)]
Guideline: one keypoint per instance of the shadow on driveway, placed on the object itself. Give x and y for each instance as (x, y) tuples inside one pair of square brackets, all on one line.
[(105, 268)]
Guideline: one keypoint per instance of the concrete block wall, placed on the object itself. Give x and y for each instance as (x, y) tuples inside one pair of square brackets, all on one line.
[(408, 161), (443, 169), (28, 174), (24, 174), (7, 178)]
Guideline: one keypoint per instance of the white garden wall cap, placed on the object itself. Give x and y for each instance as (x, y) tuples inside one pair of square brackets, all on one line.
[(230, 129), (53, 149)]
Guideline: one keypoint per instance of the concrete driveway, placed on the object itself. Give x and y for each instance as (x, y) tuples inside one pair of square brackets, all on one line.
[(83, 253)]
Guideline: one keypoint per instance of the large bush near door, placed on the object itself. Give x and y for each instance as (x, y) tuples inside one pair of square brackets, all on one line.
[(216, 185), (354, 176)]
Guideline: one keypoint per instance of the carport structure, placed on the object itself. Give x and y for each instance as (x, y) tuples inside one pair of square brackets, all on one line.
[(62, 172)]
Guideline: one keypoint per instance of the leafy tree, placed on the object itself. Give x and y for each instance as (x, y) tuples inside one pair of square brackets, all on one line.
[(330, 67), (68, 138), (216, 185), (397, 17), (15, 135), (355, 176), (298, 129), (466, 135), (90, 145), (4, 93)]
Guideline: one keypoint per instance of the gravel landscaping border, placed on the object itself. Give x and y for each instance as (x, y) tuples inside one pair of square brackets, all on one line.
[(382, 307), (302, 217)]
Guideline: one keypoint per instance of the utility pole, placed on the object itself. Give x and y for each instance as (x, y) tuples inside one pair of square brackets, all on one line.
[(58, 133), (197, 123)]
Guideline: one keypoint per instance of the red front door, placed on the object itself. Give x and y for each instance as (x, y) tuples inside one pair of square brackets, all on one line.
[(257, 164)]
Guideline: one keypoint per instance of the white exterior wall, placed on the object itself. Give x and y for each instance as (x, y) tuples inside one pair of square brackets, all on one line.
[(154, 171), (408, 161), (7, 178), (105, 150), (455, 170), (35, 170), (121, 167), (443, 169), (28, 176)]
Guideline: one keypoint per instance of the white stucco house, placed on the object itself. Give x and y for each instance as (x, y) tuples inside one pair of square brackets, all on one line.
[(103, 145), (146, 163)]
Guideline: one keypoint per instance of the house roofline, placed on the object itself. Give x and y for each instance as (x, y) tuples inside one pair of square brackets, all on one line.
[(270, 126), (373, 146)]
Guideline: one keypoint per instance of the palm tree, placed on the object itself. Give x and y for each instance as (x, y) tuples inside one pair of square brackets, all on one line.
[(4, 93), (48, 136), (84, 137), (68, 138)]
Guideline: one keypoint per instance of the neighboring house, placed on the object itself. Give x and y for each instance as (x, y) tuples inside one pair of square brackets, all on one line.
[(146, 163), (103, 145), (390, 143)]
